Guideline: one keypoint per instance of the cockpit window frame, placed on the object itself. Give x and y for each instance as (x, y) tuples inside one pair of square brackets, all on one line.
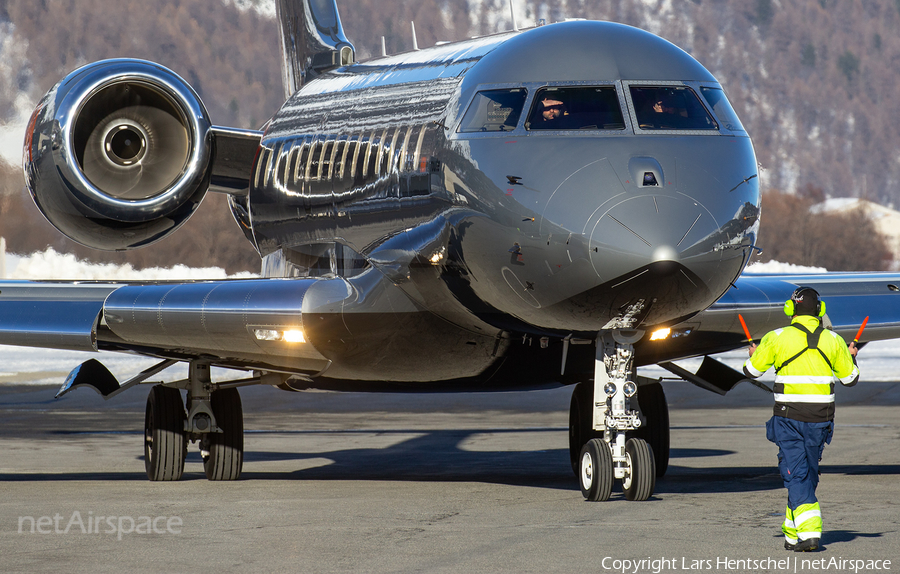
[(533, 88), (626, 121), (454, 131), (693, 86), (698, 86), (472, 107)]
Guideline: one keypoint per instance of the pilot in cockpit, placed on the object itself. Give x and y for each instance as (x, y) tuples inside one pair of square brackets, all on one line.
[(663, 111), (550, 111), (667, 105)]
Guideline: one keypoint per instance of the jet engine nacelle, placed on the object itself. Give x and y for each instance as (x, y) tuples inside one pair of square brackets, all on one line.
[(118, 154)]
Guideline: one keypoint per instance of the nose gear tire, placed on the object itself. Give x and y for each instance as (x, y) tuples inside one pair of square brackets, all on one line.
[(652, 400), (640, 477), (580, 423), (596, 471)]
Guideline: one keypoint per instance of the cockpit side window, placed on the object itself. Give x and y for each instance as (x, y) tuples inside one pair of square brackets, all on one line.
[(716, 99), (576, 108), (670, 108), (494, 111)]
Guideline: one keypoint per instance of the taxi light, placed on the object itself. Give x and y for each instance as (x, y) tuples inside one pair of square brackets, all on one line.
[(609, 389), (660, 334), (629, 389), (294, 336), (267, 335)]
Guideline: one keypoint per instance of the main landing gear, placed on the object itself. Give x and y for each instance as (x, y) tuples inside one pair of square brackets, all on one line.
[(214, 419), (614, 434)]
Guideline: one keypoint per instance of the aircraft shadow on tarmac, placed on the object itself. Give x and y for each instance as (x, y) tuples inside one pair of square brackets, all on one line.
[(440, 456)]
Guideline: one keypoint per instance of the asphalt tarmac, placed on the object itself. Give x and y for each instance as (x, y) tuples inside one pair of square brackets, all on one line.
[(432, 483)]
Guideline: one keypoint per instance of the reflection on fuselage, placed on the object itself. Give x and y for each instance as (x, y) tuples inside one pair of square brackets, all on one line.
[(605, 224)]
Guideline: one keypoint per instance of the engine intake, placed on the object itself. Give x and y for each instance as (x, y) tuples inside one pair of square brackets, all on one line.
[(118, 154)]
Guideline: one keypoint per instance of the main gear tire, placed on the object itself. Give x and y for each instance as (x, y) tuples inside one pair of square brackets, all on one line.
[(164, 441), (226, 448)]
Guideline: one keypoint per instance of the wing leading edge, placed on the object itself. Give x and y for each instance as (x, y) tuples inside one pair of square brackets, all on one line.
[(849, 299), (240, 323)]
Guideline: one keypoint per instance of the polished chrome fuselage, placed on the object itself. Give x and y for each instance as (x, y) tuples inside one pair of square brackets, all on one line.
[(573, 243)]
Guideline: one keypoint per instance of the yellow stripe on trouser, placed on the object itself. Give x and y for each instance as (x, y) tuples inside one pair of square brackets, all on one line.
[(803, 522)]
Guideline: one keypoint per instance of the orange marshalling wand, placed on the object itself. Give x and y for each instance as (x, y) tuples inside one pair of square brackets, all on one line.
[(861, 327), (747, 331)]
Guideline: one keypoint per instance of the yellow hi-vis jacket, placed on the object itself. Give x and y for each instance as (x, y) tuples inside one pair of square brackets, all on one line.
[(805, 369)]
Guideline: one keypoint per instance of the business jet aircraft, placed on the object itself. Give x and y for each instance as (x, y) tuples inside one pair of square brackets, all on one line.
[(548, 206)]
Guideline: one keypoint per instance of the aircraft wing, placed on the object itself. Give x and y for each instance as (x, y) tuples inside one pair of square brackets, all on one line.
[(242, 323), (849, 298)]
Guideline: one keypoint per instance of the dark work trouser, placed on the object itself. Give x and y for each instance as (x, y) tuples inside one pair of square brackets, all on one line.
[(800, 447)]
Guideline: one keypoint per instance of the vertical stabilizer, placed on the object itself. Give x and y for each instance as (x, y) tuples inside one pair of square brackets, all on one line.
[(312, 41)]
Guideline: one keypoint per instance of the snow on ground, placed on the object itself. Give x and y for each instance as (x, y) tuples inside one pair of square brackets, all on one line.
[(63, 266), (33, 366), (776, 267)]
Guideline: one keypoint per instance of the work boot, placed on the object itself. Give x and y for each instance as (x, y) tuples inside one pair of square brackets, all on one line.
[(808, 545), (789, 546)]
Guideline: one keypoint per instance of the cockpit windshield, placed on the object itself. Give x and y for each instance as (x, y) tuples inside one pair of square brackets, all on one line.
[(576, 108), (494, 111), (670, 108), (716, 99)]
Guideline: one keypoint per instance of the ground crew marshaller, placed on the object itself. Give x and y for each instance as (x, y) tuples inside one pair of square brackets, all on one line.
[(807, 359)]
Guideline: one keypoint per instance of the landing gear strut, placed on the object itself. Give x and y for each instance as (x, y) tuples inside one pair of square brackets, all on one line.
[(601, 418), (214, 419)]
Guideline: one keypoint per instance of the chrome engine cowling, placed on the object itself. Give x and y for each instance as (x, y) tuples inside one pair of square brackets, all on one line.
[(118, 154)]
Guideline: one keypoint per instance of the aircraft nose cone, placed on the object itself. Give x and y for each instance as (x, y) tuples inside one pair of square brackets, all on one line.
[(639, 255), (645, 229)]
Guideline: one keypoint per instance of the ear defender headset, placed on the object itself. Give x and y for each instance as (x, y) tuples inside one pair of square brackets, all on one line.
[(797, 297)]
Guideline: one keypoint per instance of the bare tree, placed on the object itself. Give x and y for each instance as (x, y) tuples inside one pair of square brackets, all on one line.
[(846, 241)]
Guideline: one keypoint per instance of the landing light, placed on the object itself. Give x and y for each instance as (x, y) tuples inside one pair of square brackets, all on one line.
[(660, 334), (288, 336)]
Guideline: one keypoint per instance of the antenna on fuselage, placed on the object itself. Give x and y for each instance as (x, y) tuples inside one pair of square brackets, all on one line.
[(415, 43), (512, 14), (383, 47)]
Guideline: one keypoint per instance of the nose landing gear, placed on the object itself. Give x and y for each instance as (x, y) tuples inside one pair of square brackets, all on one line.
[(602, 417)]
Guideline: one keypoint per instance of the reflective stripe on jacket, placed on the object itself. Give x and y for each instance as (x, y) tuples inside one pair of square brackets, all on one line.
[(804, 387)]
